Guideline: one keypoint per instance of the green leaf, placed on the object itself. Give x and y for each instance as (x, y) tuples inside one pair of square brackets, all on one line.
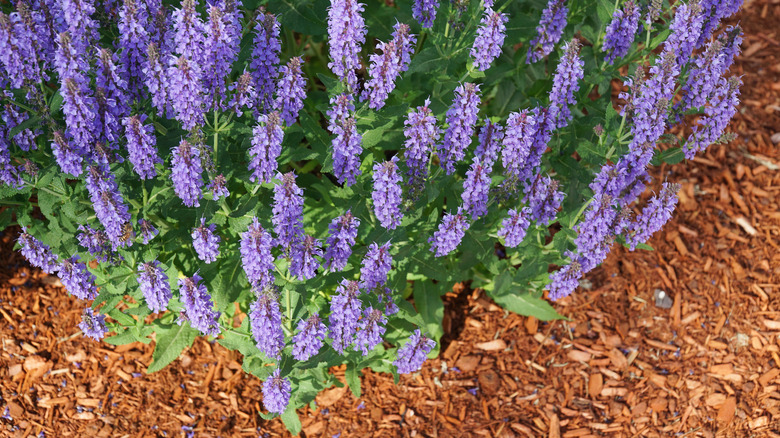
[(171, 341), (56, 102), (27, 124), (352, 375), (291, 420), (672, 155), (527, 305), (428, 302), (300, 15)]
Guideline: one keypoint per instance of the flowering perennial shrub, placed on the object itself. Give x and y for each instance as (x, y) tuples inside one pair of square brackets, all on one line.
[(302, 185)]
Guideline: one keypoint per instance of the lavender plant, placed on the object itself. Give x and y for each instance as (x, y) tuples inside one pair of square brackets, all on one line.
[(307, 171)]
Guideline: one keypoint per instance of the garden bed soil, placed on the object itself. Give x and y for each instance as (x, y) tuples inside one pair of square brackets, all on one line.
[(620, 366)]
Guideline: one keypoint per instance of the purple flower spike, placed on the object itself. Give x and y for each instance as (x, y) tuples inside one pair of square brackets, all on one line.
[(9, 174), (141, 144), (518, 143), (344, 314), (198, 306), (346, 33), (96, 242), (80, 25), (343, 232), (421, 134), (276, 393), (424, 11), (113, 102), (341, 107), (376, 265), (69, 157), (265, 59), (549, 30), (291, 91), (189, 31), (596, 233), (154, 285), (36, 253), (302, 262), (621, 31), (79, 106), (565, 280), (218, 187), (461, 118), (544, 199), (686, 28), (25, 139), (220, 52), (490, 137), (148, 231), (309, 340), (705, 75), (109, 206), (266, 147), (186, 174), (15, 52), (156, 80), (186, 94), (77, 279), (565, 84), (265, 320), (93, 324), (412, 355), (347, 147), (205, 242), (476, 187), (387, 193), (288, 212), (256, 257), (372, 327), (134, 40), (654, 216), (490, 38), (387, 67), (244, 94), (514, 227), (710, 128), (450, 233)]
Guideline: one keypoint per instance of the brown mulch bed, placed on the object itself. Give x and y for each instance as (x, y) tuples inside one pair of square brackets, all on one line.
[(620, 366)]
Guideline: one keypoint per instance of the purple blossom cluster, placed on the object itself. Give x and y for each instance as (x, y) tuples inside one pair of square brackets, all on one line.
[(9, 173), (347, 147), (549, 30), (276, 393), (189, 32), (266, 147), (370, 330), (218, 187), (147, 230), (264, 61), (244, 94), (621, 31), (686, 29), (344, 315), (596, 232), (342, 234), (565, 280), (654, 216), (518, 145), (291, 90), (141, 143), (205, 241), (713, 11), (421, 134), (37, 253), (93, 324), (112, 99), (155, 75), (384, 69), (198, 306), (77, 279), (187, 173), (565, 83), (450, 233), (25, 138), (17, 53), (490, 137), (709, 129), (412, 355), (490, 38), (220, 51), (424, 11), (256, 257), (461, 119), (376, 265), (96, 242), (302, 262), (476, 188), (186, 92), (708, 68), (68, 156), (544, 199), (346, 33), (514, 227), (109, 206), (134, 41), (154, 285), (387, 193), (265, 321), (288, 212), (310, 337)]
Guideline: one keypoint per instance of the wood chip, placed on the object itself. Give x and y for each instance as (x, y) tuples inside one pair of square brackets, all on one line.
[(727, 411), (595, 385), (494, 345)]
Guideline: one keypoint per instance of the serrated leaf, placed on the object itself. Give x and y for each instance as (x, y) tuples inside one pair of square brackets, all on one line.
[(292, 421), (527, 305), (171, 341), (352, 374), (428, 302)]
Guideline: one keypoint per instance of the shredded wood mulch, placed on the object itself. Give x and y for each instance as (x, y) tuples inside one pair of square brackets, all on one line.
[(623, 365)]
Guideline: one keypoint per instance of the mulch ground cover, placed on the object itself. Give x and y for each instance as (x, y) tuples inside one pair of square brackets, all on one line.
[(622, 365)]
